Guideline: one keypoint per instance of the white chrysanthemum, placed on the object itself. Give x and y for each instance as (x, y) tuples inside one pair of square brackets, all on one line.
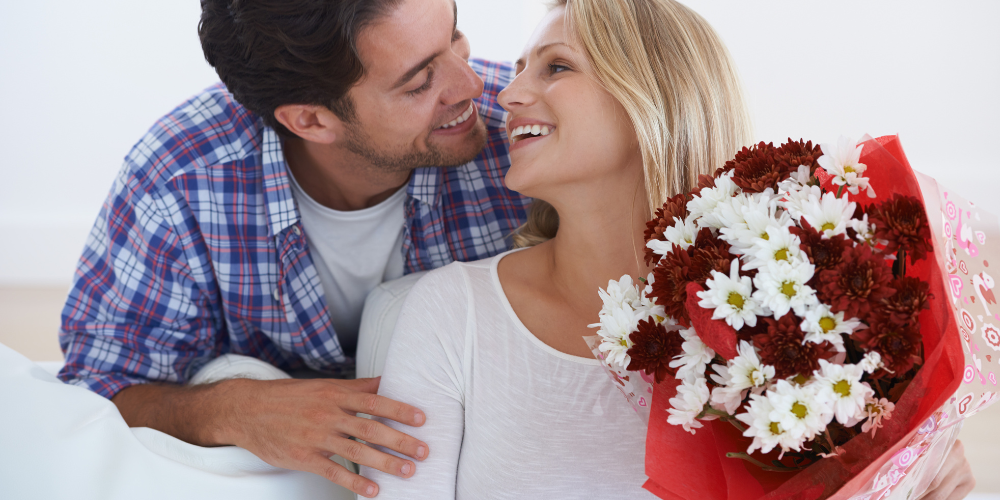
[(730, 211), (797, 409), (820, 324), (695, 357), (828, 215), (794, 200), (779, 246), (703, 204), (841, 389), (781, 286), (767, 433), (619, 293), (682, 233), (842, 161), (799, 179), (688, 404), (743, 372), (871, 362), (616, 328), (758, 214), (731, 298), (865, 230)]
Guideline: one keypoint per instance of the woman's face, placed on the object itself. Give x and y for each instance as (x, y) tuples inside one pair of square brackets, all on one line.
[(564, 128)]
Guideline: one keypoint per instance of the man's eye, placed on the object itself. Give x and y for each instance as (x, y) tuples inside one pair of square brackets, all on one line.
[(421, 89), (456, 36)]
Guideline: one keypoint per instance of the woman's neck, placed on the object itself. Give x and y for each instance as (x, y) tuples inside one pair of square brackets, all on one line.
[(596, 243)]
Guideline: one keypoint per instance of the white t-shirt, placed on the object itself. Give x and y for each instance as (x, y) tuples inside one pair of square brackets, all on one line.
[(507, 415), (353, 252)]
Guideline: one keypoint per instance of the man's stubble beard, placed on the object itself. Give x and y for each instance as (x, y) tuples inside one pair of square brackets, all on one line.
[(357, 141)]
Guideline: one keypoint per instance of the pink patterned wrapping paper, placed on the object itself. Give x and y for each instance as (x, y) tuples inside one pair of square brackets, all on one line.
[(970, 239)]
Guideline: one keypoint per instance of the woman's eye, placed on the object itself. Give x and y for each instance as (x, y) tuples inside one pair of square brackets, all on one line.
[(557, 68)]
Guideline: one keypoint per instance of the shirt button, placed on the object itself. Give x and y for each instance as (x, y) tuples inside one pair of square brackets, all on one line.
[(296, 230), (275, 294)]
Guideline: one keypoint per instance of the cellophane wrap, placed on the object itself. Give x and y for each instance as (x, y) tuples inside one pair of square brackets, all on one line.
[(961, 341)]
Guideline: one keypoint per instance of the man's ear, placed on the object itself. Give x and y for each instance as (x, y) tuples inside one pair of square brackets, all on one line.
[(310, 122)]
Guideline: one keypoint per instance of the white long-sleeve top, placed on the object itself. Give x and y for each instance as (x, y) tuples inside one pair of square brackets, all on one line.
[(507, 415)]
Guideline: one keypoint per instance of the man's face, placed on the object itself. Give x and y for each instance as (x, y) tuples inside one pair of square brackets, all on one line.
[(417, 89)]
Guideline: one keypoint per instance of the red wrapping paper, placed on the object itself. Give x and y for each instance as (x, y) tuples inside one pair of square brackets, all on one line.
[(685, 466)]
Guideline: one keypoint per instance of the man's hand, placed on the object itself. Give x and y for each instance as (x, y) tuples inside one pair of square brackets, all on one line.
[(954, 481), (294, 424)]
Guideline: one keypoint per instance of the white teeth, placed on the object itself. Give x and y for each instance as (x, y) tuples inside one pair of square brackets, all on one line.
[(534, 130), (460, 119)]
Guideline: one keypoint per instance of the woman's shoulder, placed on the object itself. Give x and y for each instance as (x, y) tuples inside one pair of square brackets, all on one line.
[(459, 278)]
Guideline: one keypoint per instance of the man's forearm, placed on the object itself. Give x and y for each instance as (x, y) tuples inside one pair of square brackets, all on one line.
[(199, 414)]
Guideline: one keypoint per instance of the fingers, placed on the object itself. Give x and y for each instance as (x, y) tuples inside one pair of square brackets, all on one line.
[(337, 474), (380, 406), (367, 456), (369, 385), (954, 481), (378, 433)]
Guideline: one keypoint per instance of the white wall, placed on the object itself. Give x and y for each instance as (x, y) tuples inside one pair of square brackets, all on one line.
[(81, 81)]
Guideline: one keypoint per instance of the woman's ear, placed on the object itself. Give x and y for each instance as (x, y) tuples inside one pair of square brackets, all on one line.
[(310, 122)]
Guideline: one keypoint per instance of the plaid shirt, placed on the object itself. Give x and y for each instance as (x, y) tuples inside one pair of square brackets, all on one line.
[(199, 249)]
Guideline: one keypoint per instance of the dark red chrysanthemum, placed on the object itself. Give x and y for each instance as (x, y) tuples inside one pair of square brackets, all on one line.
[(680, 267), (675, 207), (708, 254), (653, 347), (912, 296), (824, 253), (858, 284), (902, 222), (704, 181), (757, 168), (670, 277), (783, 346), (794, 153), (897, 343)]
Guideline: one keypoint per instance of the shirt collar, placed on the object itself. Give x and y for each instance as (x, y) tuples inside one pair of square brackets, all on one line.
[(281, 210)]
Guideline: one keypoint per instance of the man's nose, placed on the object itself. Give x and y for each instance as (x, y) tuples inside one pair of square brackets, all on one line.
[(465, 84)]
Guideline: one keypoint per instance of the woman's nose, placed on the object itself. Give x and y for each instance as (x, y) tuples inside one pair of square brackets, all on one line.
[(516, 94)]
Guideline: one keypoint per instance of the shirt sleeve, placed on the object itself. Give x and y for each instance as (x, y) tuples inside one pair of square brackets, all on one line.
[(425, 368), (136, 312)]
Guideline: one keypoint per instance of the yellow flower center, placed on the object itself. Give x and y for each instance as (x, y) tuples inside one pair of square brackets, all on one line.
[(775, 429), (788, 288), (828, 227), (799, 410), (735, 300), (765, 236), (843, 388), (827, 324), (624, 342), (781, 254), (800, 379), (848, 169)]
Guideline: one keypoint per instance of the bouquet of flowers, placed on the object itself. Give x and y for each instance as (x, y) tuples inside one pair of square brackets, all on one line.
[(795, 333)]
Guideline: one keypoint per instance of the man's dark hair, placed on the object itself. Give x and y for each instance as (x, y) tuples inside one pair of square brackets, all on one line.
[(275, 52)]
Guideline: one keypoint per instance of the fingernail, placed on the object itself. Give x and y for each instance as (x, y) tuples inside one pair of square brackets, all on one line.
[(370, 491), (421, 452), (418, 418), (405, 469)]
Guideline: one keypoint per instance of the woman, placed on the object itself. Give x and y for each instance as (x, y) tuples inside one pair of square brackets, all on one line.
[(616, 106)]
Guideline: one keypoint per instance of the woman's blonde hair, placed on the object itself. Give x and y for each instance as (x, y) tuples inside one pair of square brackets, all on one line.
[(670, 71)]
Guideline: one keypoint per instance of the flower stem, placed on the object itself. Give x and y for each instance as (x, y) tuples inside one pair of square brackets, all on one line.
[(840, 190), (708, 410)]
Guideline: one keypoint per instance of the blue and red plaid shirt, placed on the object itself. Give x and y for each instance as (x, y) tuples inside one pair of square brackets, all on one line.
[(199, 249)]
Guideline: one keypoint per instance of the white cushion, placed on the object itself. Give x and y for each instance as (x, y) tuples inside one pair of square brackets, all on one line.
[(377, 322)]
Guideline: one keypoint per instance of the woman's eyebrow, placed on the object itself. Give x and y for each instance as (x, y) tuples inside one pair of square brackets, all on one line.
[(543, 48)]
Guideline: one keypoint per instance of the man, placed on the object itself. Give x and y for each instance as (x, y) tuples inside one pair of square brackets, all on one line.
[(254, 219)]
